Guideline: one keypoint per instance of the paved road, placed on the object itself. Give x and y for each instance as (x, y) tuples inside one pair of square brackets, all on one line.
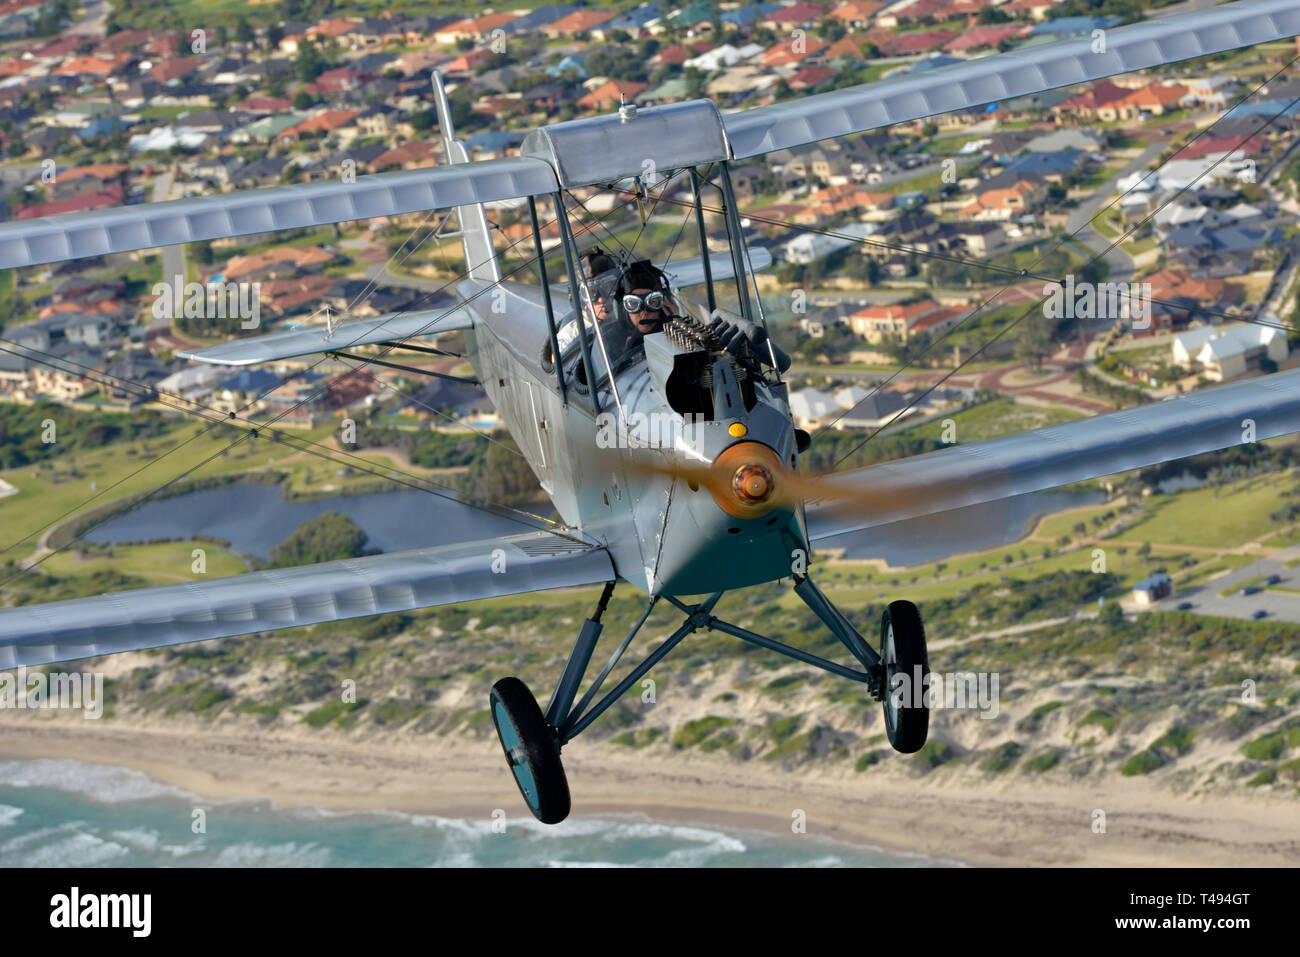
[(380, 273), (1120, 262), (173, 256), (95, 22), (1206, 599)]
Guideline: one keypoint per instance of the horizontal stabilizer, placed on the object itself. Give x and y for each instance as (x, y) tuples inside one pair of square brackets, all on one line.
[(310, 340), (285, 598)]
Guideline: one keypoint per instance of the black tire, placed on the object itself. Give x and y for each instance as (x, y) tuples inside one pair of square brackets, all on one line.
[(532, 753), (902, 650)]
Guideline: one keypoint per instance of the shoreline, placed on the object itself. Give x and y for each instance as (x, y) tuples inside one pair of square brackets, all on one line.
[(951, 821)]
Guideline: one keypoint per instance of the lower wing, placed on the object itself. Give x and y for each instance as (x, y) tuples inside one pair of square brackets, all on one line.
[(1203, 421), (307, 595)]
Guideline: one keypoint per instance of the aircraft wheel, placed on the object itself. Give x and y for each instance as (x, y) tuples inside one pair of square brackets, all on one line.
[(531, 750), (902, 650)]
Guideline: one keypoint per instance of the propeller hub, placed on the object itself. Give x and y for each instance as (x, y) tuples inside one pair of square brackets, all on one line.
[(746, 479), (752, 483)]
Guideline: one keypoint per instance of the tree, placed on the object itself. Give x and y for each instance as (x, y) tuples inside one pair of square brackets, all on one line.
[(311, 62), (1033, 340), (422, 120), (502, 476), (695, 82), (327, 538)]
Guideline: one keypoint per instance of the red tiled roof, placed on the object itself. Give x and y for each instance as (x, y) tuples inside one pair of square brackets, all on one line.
[(110, 196), (922, 42), (989, 36)]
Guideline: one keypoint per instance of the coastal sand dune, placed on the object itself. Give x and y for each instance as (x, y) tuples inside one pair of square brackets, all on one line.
[(1006, 824)]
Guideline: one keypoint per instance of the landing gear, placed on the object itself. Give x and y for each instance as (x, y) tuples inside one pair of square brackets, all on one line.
[(532, 739), (902, 652), (532, 751)]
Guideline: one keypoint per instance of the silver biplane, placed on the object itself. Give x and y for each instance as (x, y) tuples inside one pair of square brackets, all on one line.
[(602, 328)]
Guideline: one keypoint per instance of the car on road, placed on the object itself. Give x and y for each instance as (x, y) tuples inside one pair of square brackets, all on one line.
[(1249, 590), (1260, 613), (1272, 579), (1184, 606)]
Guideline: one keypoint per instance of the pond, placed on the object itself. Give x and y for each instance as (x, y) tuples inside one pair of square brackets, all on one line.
[(254, 518)]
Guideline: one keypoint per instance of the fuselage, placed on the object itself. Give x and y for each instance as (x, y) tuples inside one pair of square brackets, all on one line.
[(665, 536)]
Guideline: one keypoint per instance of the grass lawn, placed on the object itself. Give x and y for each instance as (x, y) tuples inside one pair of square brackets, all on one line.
[(846, 581), (989, 420), (43, 500), (1283, 539), (164, 563), (1053, 527), (1216, 517), (311, 475)]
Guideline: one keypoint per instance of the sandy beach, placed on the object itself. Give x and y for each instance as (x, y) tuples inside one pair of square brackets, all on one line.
[(999, 824)]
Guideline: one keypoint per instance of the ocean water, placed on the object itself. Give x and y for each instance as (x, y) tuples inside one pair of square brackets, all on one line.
[(60, 813)]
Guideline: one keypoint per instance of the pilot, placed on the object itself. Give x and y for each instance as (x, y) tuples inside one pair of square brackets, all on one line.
[(644, 302)]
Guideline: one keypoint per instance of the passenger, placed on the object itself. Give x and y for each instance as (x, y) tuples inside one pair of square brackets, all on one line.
[(600, 279), (600, 276)]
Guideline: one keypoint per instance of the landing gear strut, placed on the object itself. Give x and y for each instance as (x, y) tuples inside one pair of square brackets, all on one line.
[(532, 740)]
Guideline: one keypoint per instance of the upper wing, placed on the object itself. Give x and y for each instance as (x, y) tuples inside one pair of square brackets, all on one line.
[(283, 598), (1202, 421), (690, 272), (310, 340), (28, 242), (870, 106)]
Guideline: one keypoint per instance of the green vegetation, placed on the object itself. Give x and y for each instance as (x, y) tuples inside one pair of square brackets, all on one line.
[(1177, 739), (869, 759), (638, 738), (934, 753), (1031, 722), (327, 538), (694, 733), (1218, 516), (427, 448), (1266, 748), (160, 563), (1144, 762), (1104, 719), (396, 711), (1003, 757), (332, 711), (1043, 761), (44, 431)]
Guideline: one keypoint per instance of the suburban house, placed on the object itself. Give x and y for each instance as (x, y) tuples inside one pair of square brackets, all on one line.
[(1225, 352)]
